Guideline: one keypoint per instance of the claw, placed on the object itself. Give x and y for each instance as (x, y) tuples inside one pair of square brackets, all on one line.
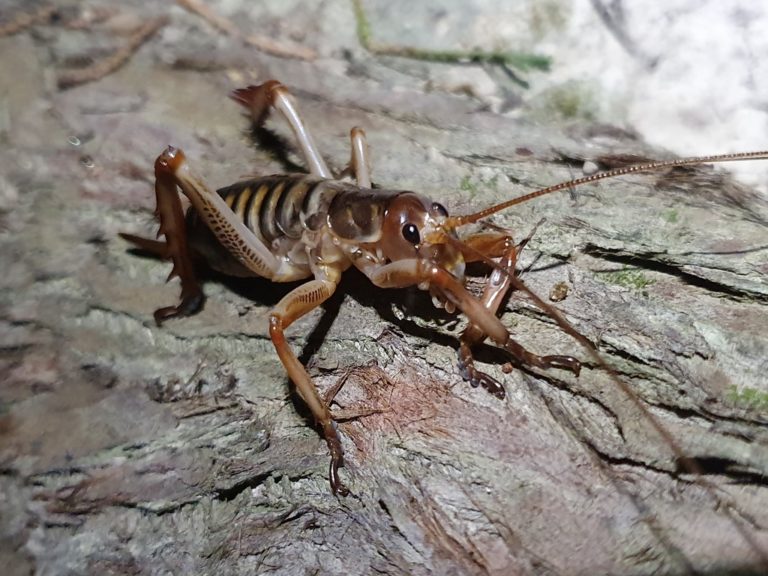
[(337, 460), (564, 363), (189, 305), (477, 378), (490, 384), (337, 486)]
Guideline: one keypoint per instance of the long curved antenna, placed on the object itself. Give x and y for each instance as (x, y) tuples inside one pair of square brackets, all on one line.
[(455, 221)]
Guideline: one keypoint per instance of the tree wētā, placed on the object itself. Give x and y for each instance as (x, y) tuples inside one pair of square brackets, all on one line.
[(293, 227)]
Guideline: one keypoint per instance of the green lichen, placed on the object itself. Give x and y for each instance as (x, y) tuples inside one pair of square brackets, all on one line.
[(467, 185), (670, 215), (568, 101), (363, 26), (572, 102), (547, 16), (518, 60), (472, 185), (748, 398), (629, 278)]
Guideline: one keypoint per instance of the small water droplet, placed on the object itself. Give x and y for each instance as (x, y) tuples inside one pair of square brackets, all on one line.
[(74, 141), (87, 161)]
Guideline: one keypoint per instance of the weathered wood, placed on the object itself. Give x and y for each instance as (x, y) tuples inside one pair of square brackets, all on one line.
[(128, 448)]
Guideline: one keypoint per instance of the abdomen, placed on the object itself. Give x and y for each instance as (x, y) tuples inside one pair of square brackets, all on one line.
[(280, 210)]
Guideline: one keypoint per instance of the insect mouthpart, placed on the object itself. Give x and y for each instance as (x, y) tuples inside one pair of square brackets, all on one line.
[(441, 301), (448, 257), (445, 255)]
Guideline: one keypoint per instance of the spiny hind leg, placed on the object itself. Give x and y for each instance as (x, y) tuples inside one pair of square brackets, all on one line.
[(171, 172), (272, 94), (173, 175), (192, 296), (175, 248)]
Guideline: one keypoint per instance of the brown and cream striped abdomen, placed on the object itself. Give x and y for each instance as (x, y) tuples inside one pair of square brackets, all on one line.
[(285, 210), (282, 206)]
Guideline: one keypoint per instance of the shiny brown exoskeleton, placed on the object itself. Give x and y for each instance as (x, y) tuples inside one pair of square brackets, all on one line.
[(293, 227)]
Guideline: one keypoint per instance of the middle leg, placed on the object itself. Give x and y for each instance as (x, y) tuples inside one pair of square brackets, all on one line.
[(360, 161), (294, 305)]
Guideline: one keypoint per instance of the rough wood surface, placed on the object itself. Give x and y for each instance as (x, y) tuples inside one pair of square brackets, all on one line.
[(129, 449)]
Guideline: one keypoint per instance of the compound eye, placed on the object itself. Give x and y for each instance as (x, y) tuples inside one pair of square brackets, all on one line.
[(411, 233), (440, 209)]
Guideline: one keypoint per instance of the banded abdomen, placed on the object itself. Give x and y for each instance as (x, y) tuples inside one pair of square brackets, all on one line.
[(283, 211), (288, 213)]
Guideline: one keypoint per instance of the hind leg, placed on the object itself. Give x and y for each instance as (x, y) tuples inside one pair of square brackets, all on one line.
[(174, 176), (176, 248), (272, 94), (192, 296)]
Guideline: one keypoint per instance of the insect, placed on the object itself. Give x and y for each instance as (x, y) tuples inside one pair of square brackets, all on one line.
[(313, 227)]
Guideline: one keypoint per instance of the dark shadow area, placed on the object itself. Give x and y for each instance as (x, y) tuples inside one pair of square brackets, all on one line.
[(279, 148), (715, 466)]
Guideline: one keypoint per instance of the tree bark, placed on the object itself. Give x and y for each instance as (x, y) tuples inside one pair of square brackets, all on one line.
[(132, 449)]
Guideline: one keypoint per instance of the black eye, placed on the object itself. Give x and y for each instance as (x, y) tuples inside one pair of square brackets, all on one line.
[(411, 233), (440, 209)]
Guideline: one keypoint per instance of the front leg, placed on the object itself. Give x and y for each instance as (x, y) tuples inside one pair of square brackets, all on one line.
[(413, 272), (493, 294), (494, 245), (293, 306)]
